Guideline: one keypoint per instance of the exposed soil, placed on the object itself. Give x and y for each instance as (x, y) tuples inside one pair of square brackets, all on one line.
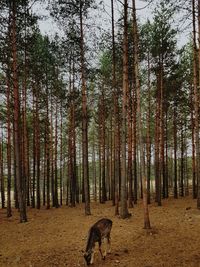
[(57, 237)]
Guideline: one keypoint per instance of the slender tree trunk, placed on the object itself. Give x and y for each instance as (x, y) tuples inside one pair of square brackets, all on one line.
[(186, 163), (157, 142), (116, 119), (194, 191), (139, 121), (38, 150), (182, 165), (2, 185), (34, 153), (166, 158), (9, 211), (124, 209), (175, 151), (61, 154), (103, 144), (84, 120), (108, 174), (112, 164), (196, 104), (196, 94), (110, 151), (70, 164), (148, 133), (162, 133), (130, 153), (56, 157), (71, 144), (94, 169), (76, 185), (19, 179), (100, 162), (52, 155), (47, 145), (24, 121), (135, 147), (45, 168), (14, 169)]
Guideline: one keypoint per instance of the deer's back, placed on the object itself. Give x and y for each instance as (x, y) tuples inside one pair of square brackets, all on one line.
[(104, 226)]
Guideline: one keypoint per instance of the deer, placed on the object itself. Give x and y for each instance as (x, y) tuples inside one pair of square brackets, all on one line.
[(97, 233)]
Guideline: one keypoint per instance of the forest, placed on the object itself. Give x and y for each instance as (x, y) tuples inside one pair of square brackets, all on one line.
[(99, 117)]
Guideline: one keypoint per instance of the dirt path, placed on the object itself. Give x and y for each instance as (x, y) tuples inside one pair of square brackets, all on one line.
[(57, 237)]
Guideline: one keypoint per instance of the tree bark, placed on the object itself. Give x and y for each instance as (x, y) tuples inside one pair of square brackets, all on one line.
[(116, 120), (84, 120), (19, 179), (9, 163), (124, 209), (148, 132), (139, 121), (175, 151), (196, 95)]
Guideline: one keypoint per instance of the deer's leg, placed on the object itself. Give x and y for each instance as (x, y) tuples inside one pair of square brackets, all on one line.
[(92, 257), (108, 243), (103, 257)]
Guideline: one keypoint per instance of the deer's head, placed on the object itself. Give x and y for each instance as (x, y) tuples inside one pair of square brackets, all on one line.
[(88, 257)]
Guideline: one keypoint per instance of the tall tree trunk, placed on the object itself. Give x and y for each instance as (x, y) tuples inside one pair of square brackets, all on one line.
[(103, 144), (76, 185), (124, 209), (34, 153), (100, 161), (84, 120), (44, 168), (94, 170), (139, 121), (116, 119), (71, 144), (148, 132), (52, 154), (14, 169), (110, 160), (182, 164), (166, 158), (108, 174), (162, 132), (8, 95), (175, 151), (130, 153), (56, 157), (2, 185), (194, 191), (187, 176), (19, 179), (158, 141), (61, 154), (196, 95), (135, 176), (24, 121), (38, 149), (47, 145), (196, 103)]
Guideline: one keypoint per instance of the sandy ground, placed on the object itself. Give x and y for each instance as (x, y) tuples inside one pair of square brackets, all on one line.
[(57, 237)]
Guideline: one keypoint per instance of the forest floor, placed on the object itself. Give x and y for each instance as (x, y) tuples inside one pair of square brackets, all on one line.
[(57, 237)]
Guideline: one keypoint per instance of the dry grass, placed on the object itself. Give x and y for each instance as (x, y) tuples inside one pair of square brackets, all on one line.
[(57, 237)]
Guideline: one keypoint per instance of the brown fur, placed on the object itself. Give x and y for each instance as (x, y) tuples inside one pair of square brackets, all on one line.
[(99, 231)]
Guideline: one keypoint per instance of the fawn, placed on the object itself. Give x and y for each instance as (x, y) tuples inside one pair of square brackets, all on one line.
[(99, 231)]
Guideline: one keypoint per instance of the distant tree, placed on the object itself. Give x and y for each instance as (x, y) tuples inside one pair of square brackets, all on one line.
[(124, 209), (139, 118)]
